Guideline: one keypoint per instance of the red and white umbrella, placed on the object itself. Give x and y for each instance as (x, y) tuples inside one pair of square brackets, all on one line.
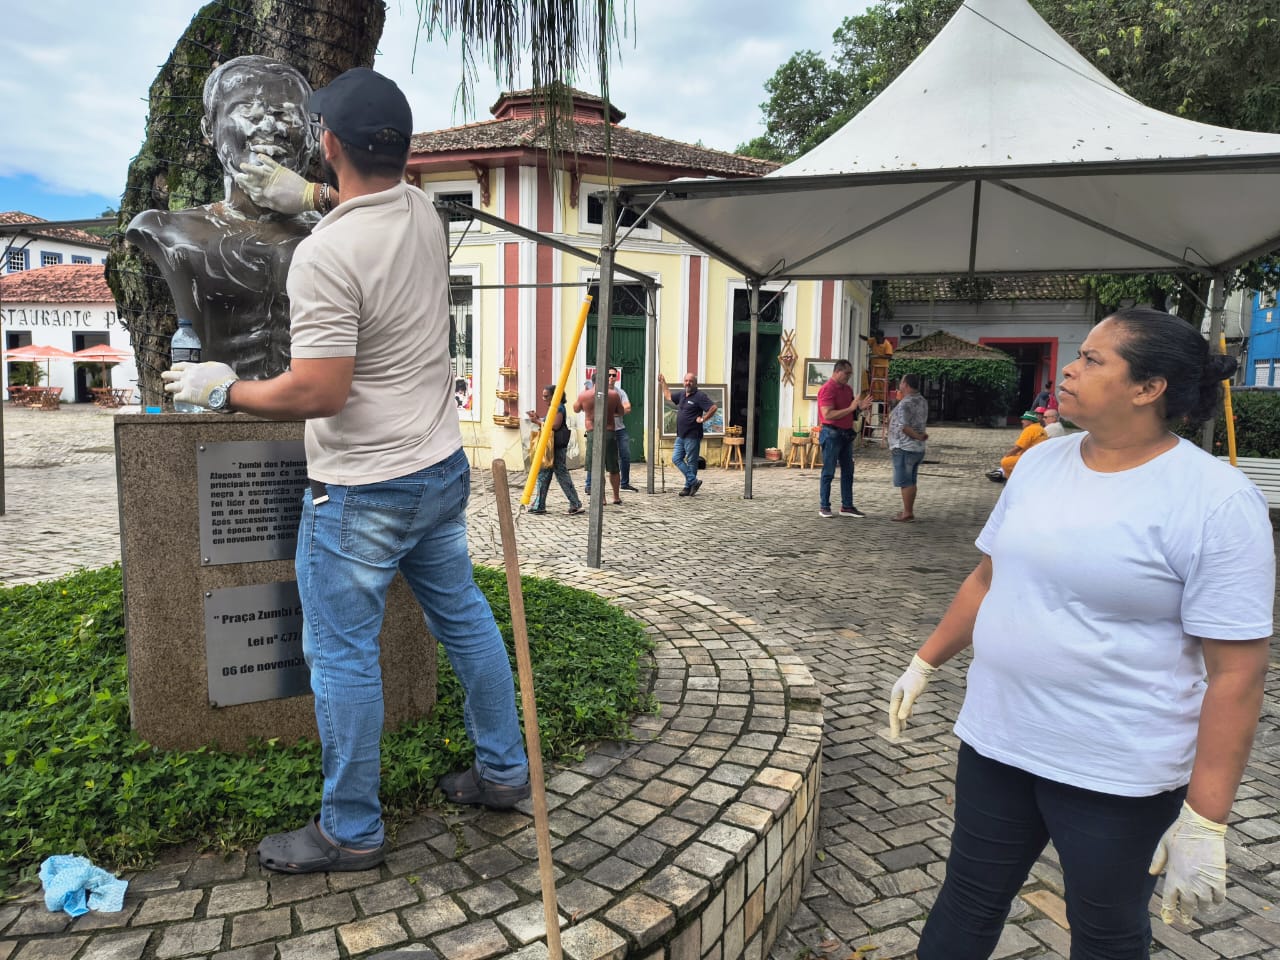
[(104, 355), (34, 352)]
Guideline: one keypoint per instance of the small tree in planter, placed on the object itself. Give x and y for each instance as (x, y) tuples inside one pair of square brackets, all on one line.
[(980, 381), (25, 373)]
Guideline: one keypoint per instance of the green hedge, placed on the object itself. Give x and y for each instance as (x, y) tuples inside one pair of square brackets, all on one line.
[(1257, 420)]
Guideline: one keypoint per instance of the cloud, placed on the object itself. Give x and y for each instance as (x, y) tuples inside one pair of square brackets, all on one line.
[(79, 72), (78, 116)]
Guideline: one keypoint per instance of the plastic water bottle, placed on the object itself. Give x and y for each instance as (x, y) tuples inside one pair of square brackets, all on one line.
[(185, 346)]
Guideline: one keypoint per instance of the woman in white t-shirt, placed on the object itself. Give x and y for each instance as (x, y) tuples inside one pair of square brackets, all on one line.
[(1119, 649)]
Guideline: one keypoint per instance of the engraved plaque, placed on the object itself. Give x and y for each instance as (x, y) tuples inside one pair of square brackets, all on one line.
[(250, 499), (253, 644)]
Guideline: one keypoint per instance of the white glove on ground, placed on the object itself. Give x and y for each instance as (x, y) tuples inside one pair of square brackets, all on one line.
[(909, 686), (193, 382), (278, 188), (1192, 854)]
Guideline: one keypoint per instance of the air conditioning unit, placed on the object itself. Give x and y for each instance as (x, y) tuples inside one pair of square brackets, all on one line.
[(912, 330)]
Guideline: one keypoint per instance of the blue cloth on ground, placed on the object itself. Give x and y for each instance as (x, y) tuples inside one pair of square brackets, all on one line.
[(75, 885)]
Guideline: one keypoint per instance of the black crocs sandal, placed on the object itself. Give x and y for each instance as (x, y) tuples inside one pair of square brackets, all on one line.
[(467, 786), (308, 850)]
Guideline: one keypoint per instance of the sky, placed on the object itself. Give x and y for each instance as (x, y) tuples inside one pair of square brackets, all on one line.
[(77, 74)]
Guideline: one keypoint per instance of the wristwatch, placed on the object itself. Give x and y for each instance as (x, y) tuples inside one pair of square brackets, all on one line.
[(220, 397)]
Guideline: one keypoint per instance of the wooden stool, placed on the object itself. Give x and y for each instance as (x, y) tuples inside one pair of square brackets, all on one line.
[(731, 458), (815, 448), (799, 450)]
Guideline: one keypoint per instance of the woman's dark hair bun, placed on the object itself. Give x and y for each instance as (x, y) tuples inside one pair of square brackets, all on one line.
[(1219, 366)]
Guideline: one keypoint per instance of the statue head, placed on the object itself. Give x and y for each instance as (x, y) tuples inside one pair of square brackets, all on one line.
[(254, 105)]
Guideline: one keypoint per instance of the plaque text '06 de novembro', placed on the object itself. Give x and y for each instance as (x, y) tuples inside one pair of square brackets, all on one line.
[(253, 644)]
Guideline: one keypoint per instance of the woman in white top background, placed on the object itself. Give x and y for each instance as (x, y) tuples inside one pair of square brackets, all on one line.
[(1120, 643)]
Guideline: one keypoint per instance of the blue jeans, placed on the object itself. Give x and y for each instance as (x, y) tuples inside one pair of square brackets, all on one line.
[(906, 466), (1004, 818), (561, 471), (837, 448), (349, 549), (624, 455), (685, 456)]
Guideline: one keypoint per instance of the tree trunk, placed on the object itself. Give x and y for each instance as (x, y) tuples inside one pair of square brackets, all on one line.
[(1192, 299), (176, 168)]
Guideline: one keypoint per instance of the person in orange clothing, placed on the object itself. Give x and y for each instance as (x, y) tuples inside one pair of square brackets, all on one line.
[(1032, 433)]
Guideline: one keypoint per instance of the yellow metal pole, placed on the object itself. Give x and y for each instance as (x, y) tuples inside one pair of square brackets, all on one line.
[(540, 448), (1226, 410)]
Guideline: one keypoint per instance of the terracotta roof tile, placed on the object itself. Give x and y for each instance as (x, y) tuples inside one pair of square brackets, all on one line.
[(588, 138), (71, 234), (1055, 287), (947, 346), (65, 283)]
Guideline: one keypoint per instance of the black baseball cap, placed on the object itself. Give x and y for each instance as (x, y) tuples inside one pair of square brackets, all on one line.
[(359, 105)]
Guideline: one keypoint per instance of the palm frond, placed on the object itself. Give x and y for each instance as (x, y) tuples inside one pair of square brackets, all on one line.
[(562, 40)]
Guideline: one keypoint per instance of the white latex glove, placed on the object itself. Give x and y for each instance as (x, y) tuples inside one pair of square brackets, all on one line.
[(1192, 854), (278, 188), (193, 382), (909, 686)]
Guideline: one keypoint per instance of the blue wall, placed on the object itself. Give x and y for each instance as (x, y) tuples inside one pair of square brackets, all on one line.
[(1264, 342)]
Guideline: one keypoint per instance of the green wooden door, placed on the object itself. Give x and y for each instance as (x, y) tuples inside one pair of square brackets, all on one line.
[(768, 400), (626, 352)]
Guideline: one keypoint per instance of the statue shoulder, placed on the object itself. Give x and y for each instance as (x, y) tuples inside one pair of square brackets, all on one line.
[(146, 226), (164, 227)]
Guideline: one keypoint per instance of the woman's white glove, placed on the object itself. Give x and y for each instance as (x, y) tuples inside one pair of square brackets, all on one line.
[(1192, 854), (909, 686), (275, 187), (193, 382)]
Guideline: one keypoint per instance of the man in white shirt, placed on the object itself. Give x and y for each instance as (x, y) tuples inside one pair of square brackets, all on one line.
[(1052, 425)]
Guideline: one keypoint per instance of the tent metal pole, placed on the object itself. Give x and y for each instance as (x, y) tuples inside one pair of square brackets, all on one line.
[(753, 286), (973, 228), (653, 416), (534, 235), (1217, 311), (600, 489)]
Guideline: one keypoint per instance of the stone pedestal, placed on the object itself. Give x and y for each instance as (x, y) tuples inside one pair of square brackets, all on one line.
[(166, 583)]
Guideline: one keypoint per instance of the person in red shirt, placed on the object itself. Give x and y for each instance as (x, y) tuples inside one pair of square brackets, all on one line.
[(836, 408)]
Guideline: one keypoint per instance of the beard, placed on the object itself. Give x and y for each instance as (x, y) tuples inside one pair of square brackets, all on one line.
[(328, 174)]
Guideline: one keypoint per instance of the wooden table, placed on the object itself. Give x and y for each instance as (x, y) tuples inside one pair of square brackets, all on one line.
[(44, 398), (111, 396)]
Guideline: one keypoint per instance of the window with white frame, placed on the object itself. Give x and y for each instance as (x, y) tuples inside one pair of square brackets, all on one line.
[(463, 191), (1263, 373), (15, 261), (48, 259), (462, 345), (75, 258), (591, 216)]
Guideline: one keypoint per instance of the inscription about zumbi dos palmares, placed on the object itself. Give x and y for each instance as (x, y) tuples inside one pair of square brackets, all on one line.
[(250, 499), (253, 644)]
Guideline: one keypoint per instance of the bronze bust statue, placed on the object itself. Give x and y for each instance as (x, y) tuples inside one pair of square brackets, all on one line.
[(226, 262)]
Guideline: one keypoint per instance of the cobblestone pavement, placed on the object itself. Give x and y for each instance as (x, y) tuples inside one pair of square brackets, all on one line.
[(852, 598)]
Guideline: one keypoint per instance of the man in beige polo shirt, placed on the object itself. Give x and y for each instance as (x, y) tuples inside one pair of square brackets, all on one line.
[(389, 480)]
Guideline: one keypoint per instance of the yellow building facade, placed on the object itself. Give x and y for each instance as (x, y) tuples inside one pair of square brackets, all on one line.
[(516, 300)]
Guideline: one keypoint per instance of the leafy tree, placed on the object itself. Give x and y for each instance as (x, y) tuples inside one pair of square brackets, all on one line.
[(105, 231), (1205, 60), (803, 94)]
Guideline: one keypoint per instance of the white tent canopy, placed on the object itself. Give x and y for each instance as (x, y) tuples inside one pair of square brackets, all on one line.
[(1000, 150)]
